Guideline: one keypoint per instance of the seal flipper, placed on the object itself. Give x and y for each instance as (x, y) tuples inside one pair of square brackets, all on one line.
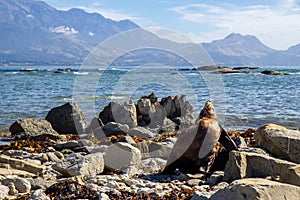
[(226, 141)]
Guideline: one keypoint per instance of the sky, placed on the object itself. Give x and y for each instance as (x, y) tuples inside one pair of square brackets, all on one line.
[(275, 22)]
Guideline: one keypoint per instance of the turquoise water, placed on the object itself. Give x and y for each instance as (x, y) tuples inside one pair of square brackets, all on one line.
[(242, 100)]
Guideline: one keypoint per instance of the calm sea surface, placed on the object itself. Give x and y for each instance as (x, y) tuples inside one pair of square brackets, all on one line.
[(242, 100)]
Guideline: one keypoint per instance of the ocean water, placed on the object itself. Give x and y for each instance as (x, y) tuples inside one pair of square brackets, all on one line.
[(241, 100)]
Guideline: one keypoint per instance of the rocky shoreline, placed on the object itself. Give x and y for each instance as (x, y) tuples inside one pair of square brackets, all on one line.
[(121, 152)]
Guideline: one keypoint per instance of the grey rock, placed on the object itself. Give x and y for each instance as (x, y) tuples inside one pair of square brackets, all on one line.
[(67, 119), (29, 127), (152, 165), (122, 157), (257, 188), (123, 114), (21, 184), (252, 165), (19, 164), (279, 141), (240, 142), (76, 165), (215, 178), (3, 191), (141, 132), (127, 139), (95, 123), (113, 128), (39, 195)]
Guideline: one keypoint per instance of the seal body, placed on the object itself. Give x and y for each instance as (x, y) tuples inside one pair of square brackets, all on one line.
[(195, 148)]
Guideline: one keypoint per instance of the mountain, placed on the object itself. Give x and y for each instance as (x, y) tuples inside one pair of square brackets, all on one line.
[(33, 31), (237, 49)]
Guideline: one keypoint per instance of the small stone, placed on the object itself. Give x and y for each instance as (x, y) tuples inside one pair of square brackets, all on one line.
[(4, 190), (39, 195), (215, 178), (103, 196)]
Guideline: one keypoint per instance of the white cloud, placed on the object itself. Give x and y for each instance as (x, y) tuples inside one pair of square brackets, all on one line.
[(277, 27), (64, 30), (91, 34)]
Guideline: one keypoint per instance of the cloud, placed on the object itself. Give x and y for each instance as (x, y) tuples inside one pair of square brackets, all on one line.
[(275, 26), (64, 30)]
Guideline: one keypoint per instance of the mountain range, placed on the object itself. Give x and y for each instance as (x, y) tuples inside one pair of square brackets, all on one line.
[(33, 32)]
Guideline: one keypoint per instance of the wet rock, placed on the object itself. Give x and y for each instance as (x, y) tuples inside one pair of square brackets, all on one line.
[(122, 157), (76, 165), (23, 165), (272, 72), (257, 188), (3, 191), (67, 119), (29, 127), (21, 184), (123, 114), (141, 132), (279, 141), (252, 165), (113, 128)]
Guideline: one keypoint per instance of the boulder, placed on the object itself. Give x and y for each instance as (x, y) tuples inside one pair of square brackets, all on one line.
[(95, 123), (77, 165), (23, 165), (112, 128), (253, 165), (21, 184), (67, 119), (122, 157), (176, 106), (257, 188), (30, 127), (280, 141), (151, 114), (123, 114), (141, 132)]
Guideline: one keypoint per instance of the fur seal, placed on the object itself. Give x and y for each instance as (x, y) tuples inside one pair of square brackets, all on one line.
[(195, 148)]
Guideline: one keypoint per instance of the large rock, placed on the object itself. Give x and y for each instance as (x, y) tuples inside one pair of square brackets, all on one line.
[(23, 165), (76, 165), (257, 188), (279, 141), (122, 157), (67, 119), (245, 164), (31, 127), (151, 114), (123, 114)]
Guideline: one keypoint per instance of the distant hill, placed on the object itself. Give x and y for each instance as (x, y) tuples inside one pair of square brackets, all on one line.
[(32, 31), (237, 49), (35, 33)]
